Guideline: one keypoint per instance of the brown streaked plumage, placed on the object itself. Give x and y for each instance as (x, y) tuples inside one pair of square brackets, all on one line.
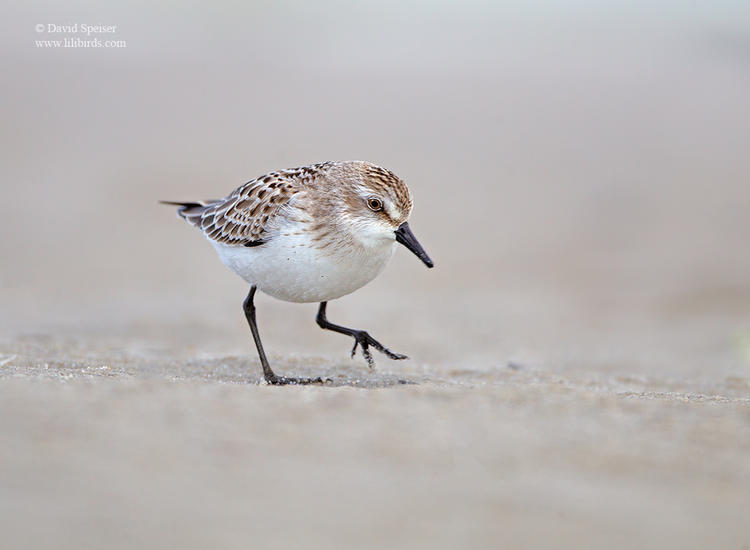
[(310, 234), (242, 217)]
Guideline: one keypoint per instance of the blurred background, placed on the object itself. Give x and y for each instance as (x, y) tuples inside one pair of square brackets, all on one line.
[(580, 171)]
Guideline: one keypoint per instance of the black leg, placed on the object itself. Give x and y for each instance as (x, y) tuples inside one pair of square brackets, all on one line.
[(268, 374), (361, 337)]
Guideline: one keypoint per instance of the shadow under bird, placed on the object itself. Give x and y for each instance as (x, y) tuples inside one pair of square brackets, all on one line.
[(310, 234)]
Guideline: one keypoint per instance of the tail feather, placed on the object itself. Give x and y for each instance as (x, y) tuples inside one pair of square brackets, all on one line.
[(191, 211)]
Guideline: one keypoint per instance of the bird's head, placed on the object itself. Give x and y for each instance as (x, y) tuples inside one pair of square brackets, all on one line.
[(378, 204)]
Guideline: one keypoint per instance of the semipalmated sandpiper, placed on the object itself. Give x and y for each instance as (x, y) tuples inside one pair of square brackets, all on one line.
[(310, 234)]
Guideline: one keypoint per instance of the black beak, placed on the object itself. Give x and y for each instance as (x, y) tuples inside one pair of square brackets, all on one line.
[(407, 238)]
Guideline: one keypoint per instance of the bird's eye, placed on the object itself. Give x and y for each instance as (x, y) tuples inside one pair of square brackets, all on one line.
[(374, 204)]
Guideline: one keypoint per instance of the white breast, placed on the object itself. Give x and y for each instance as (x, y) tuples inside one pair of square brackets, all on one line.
[(293, 269)]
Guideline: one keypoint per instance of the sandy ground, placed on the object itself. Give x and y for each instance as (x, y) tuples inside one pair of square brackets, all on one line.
[(580, 355), (140, 452)]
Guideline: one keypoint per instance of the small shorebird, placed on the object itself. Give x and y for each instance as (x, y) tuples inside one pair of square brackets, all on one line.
[(310, 234)]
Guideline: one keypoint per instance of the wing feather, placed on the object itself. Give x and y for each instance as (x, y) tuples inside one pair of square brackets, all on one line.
[(245, 216)]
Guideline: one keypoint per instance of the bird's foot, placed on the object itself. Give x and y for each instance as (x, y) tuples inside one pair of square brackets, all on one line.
[(274, 380), (364, 340)]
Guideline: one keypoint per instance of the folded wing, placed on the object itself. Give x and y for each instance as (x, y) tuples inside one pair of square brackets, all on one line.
[(242, 218)]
